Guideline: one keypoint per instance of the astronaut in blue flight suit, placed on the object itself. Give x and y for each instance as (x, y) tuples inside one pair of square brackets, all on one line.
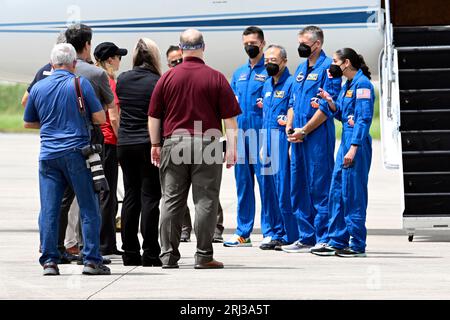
[(313, 142), (247, 83), (275, 150), (348, 195)]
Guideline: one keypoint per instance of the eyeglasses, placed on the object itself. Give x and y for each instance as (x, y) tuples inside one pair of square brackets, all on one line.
[(174, 63)]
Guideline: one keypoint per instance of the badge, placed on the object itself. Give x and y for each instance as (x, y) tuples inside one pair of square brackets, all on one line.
[(315, 102), (268, 94), (282, 120), (329, 74), (363, 94), (259, 103), (243, 77), (279, 94), (312, 77), (300, 77), (349, 94), (351, 121), (260, 77)]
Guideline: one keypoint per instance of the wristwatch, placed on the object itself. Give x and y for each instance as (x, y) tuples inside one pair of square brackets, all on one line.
[(156, 145), (303, 132)]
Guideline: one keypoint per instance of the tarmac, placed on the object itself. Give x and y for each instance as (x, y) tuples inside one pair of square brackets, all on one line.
[(393, 269)]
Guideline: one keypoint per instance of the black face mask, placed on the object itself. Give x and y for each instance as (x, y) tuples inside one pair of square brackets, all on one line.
[(336, 71), (304, 51), (252, 51), (272, 69)]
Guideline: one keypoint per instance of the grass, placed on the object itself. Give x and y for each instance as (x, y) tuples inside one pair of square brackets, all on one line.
[(11, 111)]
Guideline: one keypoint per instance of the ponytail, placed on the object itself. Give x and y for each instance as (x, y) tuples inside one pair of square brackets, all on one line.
[(363, 66), (356, 60)]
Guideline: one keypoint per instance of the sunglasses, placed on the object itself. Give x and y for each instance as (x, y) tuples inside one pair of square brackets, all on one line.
[(174, 63)]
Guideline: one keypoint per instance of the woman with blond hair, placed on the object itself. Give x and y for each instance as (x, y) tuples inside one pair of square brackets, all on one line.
[(108, 57), (141, 177)]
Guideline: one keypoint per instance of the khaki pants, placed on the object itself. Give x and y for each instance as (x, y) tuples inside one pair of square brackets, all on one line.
[(176, 179)]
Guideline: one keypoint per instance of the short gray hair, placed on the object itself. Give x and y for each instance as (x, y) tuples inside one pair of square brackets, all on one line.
[(315, 32), (191, 39), (63, 54), (283, 51)]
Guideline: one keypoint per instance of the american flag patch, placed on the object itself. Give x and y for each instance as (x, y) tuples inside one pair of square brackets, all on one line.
[(363, 94)]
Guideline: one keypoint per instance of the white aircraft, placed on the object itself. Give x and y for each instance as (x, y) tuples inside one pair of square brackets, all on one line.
[(28, 29)]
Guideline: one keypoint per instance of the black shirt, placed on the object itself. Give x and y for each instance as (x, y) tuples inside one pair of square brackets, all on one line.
[(134, 90), (43, 73)]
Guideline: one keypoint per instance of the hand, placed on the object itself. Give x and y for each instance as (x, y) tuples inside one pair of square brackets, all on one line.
[(231, 157), (350, 156), (297, 136), (156, 156), (325, 95)]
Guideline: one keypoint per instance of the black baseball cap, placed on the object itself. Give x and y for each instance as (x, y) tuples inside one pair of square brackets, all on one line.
[(107, 50)]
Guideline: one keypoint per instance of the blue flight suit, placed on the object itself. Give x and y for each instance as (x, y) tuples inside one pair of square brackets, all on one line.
[(276, 163), (312, 161), (247, 83), (348, 194)]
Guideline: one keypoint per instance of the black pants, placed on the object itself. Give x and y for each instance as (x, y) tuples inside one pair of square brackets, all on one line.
[(142, 196), (108, 201)]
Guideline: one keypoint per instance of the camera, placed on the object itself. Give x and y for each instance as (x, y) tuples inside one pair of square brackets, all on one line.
[(92, 155)]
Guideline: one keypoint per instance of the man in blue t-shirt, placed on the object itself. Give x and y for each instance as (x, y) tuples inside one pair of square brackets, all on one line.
[(53, 108)]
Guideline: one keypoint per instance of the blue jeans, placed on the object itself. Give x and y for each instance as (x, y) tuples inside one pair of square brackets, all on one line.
[(54, 176)]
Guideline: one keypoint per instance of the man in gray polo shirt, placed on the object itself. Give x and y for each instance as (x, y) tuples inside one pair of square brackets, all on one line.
[(80, 36)]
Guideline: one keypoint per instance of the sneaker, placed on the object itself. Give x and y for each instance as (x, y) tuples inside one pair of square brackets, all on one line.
[(185, 236), (272, 245), (238, 241), (297, 247), (91, 269), (323, 250), (51, 269), (266, 240), (349, 253)]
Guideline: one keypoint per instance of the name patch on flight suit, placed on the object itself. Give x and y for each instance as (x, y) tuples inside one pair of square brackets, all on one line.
[(349, 94), (300, 77), (243, 77), (313, 77), (260, 77), (279, 94)]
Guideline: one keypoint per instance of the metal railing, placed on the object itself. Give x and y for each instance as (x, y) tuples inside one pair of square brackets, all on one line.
[(389, 57)]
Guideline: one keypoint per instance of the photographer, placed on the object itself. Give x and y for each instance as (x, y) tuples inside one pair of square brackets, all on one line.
[(53, 108)]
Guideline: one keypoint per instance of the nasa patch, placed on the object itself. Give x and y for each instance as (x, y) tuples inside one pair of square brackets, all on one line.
[(300, 77), (260, 77)]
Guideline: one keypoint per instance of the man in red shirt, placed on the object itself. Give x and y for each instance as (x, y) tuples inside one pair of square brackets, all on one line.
[(192, 99)]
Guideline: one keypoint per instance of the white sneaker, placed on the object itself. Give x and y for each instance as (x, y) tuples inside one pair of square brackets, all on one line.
[(238, 241), (266, 240), (297, 247)]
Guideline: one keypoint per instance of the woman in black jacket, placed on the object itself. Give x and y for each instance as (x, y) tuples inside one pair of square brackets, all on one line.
[(141, 178)]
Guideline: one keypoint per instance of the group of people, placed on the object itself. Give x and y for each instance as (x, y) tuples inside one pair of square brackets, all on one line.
[(165, 131), (310, 202)]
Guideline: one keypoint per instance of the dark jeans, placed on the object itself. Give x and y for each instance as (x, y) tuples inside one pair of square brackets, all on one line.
[(108, 201), (54, 177), (142, 196)]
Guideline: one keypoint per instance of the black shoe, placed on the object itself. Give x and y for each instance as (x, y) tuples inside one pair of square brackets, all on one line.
[(131, 259), (185, 236), (149, 260), (271, 245), (282, 243), (324, 250), (170, 266), (349, 253), (67, 258), (105, 261), (217, 238)]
